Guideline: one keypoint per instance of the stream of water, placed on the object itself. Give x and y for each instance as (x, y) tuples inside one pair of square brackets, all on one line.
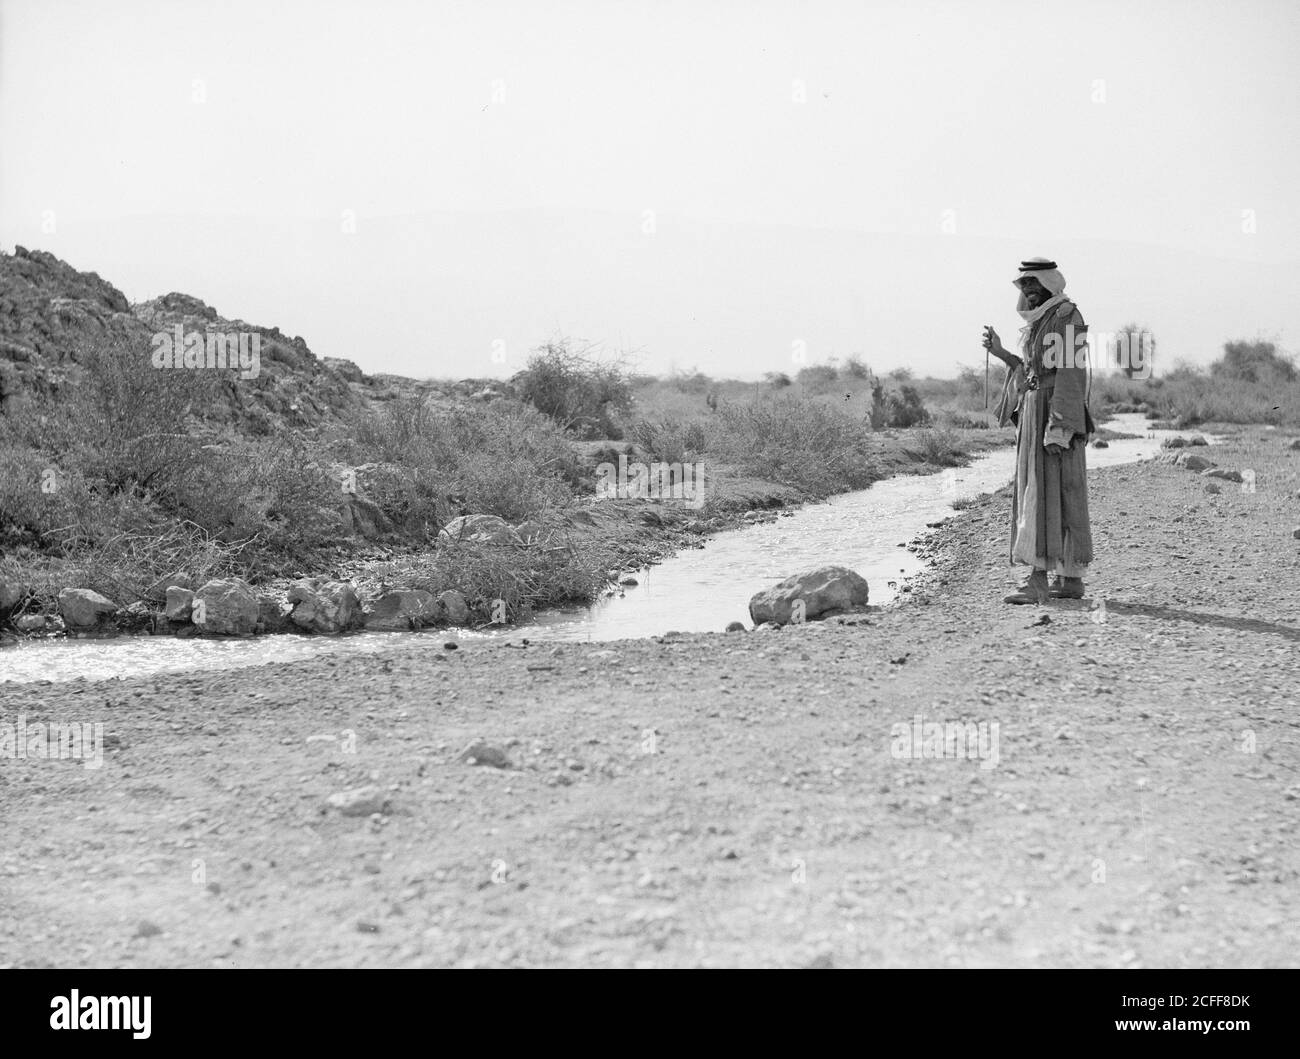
[(698, 590)]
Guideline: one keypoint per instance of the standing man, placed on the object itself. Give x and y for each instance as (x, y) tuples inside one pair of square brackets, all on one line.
[(1045, 395)]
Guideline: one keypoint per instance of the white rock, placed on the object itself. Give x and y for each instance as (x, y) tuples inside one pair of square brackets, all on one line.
[(360, 801), (84, 609), (823, 590), (225, 607)]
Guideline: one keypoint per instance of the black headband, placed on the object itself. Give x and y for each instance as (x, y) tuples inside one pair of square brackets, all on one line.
[(1037, 266)]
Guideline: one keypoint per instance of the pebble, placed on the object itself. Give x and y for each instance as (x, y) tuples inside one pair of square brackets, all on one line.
[(480, 753), (359, 801)]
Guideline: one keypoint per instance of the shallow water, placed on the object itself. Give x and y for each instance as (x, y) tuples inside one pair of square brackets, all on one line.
[(698, 590)]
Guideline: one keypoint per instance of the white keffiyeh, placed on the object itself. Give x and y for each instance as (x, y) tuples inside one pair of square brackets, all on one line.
[(1054, 282)]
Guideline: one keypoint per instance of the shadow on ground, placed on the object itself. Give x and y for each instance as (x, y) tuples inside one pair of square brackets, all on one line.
[(1223, 621)]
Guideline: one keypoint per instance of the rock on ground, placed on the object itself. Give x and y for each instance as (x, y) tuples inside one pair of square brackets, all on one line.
[(328, 608), (359, 801), (271, 614), (180, 604), (824, 590), (83, 608), (399, 611), (481, 753), (225, 607), (452, 607), (11, 594)]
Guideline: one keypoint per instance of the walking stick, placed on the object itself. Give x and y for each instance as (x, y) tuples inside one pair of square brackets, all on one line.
[(986, 380)]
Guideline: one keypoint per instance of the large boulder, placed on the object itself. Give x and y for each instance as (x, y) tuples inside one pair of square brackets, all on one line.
[(271, 614), (138, 617), (328, 608), (480, 529), (225, 607), (11, 594), (1193, 462), (824, 590), (180, 604), (83, 609), (452, 607), (399, 611)]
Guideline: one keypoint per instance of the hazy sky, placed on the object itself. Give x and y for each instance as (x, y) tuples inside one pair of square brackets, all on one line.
[(133, 134)]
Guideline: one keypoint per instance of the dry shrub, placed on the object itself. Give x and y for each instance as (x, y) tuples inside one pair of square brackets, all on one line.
[(577, 389), (808, 444)]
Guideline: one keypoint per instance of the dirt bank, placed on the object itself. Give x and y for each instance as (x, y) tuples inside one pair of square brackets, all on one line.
[(724, 799)]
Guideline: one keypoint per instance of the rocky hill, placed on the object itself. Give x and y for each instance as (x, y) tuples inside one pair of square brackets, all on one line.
[(50, 313)]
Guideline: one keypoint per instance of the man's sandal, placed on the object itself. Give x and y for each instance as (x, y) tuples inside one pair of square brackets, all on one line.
[(1066, 588), (1035, 590)]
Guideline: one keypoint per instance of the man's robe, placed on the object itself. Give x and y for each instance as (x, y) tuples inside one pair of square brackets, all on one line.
[(1047, 391)]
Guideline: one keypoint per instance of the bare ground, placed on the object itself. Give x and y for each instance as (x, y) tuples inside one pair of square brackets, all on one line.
[(724, 799)]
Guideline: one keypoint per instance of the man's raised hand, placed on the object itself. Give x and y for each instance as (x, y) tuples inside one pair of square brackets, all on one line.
[(993, 343)]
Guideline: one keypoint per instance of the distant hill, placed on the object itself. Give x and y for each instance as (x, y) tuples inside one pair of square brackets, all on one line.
[(471, 294), (50, 313)]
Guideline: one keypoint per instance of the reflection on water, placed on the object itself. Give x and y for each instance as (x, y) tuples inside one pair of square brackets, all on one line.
[(697, 590)]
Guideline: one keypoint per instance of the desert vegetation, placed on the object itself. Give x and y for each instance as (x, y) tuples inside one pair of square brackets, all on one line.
[(1253, 382), (129, 478)]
